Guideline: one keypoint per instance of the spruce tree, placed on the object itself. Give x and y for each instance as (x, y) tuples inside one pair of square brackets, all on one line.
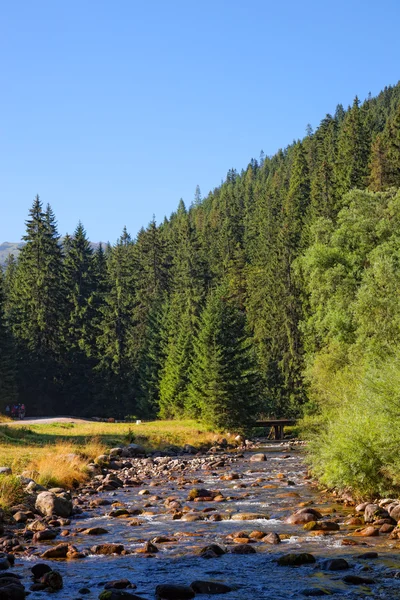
[(224, 389), (116, 366), (8, 387), (36, 311), (80, 331)]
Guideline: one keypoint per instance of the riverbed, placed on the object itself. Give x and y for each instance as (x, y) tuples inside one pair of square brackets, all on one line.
[(272, 490)]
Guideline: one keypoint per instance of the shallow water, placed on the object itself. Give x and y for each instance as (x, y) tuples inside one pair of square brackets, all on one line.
[(254, 576)]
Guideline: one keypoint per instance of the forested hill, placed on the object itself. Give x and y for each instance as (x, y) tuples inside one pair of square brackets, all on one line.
[(249, 301)]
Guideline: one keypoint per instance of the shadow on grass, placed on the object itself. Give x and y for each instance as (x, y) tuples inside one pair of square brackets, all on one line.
[(22, 436)]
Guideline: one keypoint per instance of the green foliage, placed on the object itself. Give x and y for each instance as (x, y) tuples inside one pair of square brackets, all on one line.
[(356, 446)]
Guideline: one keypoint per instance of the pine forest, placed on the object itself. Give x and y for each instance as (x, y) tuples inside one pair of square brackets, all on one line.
[(275, 295)]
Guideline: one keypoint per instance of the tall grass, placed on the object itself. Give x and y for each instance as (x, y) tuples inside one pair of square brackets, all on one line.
[(11, 491), (356, 443), (64, 465)]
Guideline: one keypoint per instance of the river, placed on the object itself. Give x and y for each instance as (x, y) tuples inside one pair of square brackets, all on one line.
[(273, 488)]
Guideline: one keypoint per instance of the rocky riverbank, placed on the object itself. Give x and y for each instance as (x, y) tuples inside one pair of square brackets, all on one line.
[(253, 513)]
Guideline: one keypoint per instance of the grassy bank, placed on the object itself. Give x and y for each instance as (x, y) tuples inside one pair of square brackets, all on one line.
[(56, 453)]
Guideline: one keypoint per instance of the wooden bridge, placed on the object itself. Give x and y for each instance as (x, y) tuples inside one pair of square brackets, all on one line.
[(277, 424)]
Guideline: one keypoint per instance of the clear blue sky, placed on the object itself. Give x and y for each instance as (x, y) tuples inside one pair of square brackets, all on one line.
[(114, 110)]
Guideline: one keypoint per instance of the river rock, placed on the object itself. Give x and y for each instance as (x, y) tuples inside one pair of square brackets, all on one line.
[(52, 580), (271, 538), (369, 531), (118, 595), (107, 549), (50, 504), (116, 452), (44, 535), (367, 555), (357, 580), (322, 526), (119, 584), (386, 528), (59, 551), (248, 516), (303, 516), (395, 512), (37, 525), (259, 457), (11, 589), (174, 592), (4, 562), (212, 551), (372, 512), (243, 548), (95, 531), (5, 471), (133, 450), (210, 587), (296, 559), (199, 493), (20, 517), (335, 564), (39, 570)]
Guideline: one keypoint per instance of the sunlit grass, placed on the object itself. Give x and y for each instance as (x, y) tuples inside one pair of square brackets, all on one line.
[(35, 447)]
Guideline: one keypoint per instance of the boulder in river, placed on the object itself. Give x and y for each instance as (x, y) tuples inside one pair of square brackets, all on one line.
[(59, 551), (271, 538), (52, 580), (210, 587), (107, 549), (212, 551), (303, 516), (296, 559), (335, 564), (48, 504), (11, 589), (243, 548), (174, 592), (372, 512), (259, 457)]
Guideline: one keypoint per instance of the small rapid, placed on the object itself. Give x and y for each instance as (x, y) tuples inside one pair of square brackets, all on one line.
[(256, 497)]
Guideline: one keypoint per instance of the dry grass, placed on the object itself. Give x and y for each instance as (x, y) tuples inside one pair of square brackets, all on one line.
[(56, 453), (64, 464), (11, 491)]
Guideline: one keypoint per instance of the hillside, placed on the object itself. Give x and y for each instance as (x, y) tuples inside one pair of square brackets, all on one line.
[(7, 248), (277, 295)]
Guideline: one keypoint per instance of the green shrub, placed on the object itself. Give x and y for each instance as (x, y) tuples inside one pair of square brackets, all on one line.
[(356, 443)]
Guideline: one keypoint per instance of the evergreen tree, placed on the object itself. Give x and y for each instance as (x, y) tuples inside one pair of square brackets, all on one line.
[(224, 388), (80, 334), (116, 367), (353, 152), (8, 387), (36, 311)]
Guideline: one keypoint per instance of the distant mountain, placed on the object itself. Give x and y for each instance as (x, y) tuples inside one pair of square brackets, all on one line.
[(7, 248)]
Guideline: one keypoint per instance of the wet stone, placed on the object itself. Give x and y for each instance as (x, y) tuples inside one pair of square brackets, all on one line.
[(174, 592), (243, 549), (119, 584), (357, 580), (335, 564), (39, 570), (296, 559), (210, 587)]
